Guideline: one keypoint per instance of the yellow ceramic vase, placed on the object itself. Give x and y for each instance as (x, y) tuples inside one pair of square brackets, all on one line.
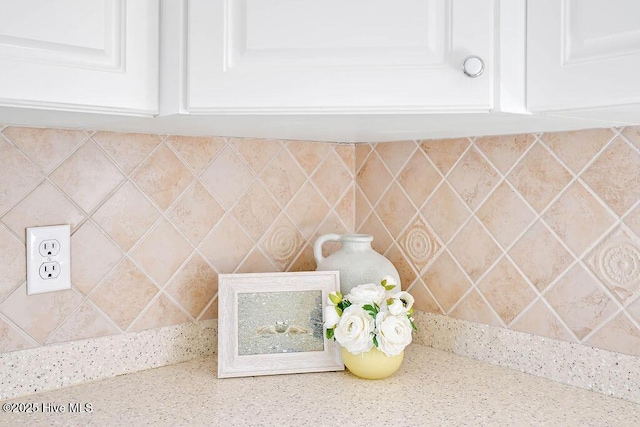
[(372, 365)]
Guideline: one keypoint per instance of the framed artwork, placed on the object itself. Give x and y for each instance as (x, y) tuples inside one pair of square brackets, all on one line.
[(272, 323)]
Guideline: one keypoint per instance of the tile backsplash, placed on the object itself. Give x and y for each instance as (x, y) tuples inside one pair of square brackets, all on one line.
[(535, 233), (154, 220)]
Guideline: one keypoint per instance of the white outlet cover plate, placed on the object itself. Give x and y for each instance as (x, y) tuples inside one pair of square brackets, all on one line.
[(35, 235)]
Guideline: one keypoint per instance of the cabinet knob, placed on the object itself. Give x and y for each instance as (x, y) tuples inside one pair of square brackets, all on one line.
[(472, 66)]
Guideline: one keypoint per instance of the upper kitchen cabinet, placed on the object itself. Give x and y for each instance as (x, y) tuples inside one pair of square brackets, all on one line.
[(334, 56), (583, 56), (79, 55)]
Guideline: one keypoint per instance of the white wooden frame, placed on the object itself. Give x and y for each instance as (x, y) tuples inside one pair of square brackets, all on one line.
[(231, 364)]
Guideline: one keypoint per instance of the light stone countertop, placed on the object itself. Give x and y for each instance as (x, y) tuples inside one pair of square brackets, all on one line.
[(432, 388)]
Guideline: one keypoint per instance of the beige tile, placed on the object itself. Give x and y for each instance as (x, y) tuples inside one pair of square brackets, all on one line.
[(539, 320), (503, 151), (445, 212), (330, 225), (283, 178), (304, 261), (444, 153), (419, 178), (89, 265), (403, 265), (616, 262), (162, 312), (615, 176), (539, 177), (197, 151), (17, 175), (307, 209), (331, 178), (43, 206), (395, 154), (282, 242), (194, 285), (308, 154), (540, 256), (347, 153), (362, 206), (39, 315), (226, 246), (633, 220), (196, 213), (128, 150), (395, 210), (445, 281), (423, 299), (87, 322), (228, 177), (256, 262), (362, 151), (345, 208), (126, 216), (632, 134), (255, 211), (13, 268), (473, 178), (12, 338), (419, 244), (87, 176), (46, 147), (163, 177), (619, 335), (475, 309), (578, 218), (506, 290), (211, 311), (580, 302), (381, 237), (373, 178), (577, 148), (505, 214), (634, 310), (474, 249), (162, 252), (256, 152), (124, 294)]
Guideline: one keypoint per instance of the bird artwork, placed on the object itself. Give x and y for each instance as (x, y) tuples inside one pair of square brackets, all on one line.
[(282, 327)]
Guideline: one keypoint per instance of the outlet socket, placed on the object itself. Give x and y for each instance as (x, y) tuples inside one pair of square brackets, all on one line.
[(48, 259)]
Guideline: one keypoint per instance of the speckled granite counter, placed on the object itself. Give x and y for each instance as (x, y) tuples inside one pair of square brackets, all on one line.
[(432, 388)]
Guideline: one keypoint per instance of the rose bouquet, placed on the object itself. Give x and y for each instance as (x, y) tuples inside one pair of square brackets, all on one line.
[(370, 316)]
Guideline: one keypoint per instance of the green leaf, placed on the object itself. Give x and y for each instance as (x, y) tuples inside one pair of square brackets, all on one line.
[(384, 282), (375, 341), (338, 310), (388, 287), (335, 297), (390, 301), (329, 333)]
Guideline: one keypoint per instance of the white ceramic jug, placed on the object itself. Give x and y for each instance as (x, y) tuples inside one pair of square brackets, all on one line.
[(356, 261)]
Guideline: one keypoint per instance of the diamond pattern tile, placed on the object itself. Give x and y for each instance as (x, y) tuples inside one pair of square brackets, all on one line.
[(403, 265), (127, 150), (395, 209), (345, 208), (87, 269), (12, 338), (46, 147), (226, 246), (347, 153), (381, 237), (419, 178), (615, 176), (282, 242), (395, 154), (618, 335), (196, 213), (576, 202), (256, 262), (504, 151), (126, 215), (308, 154), (446, 281), (307, 209), (163, 177), (331, 178), (197, 151), (87, 322), (423, 299), (362, 151), (419, 244), (162, 312), (474, 249), (194, 286), (13, 269), (475, 309), (228, 177), (445, 212), (473, 178), (256, 152), (539, 177), (17, 175), (255, 211), (283, 178), (539, 320), (632, 134), (373, 178), (445, 153), (577, 148)]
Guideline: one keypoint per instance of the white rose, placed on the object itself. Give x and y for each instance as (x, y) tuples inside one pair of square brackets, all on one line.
[(394, 333), (367, 294), (331, 317), (390, 281), (354, 330), (402, 303)]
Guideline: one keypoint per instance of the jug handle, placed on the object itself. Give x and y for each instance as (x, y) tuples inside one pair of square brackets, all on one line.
[(317, 246)]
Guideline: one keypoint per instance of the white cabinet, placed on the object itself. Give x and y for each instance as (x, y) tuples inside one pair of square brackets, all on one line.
[(80, 55), (335, 56), (583, 54)]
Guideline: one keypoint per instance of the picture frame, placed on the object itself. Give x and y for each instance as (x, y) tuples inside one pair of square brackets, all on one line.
[(272, 323)]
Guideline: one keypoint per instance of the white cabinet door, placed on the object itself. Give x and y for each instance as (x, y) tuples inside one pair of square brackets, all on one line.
[(80, 55), (337, 56), (582, 54)]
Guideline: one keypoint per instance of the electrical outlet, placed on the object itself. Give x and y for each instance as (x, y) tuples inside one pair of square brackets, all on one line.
[(48, 259)]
